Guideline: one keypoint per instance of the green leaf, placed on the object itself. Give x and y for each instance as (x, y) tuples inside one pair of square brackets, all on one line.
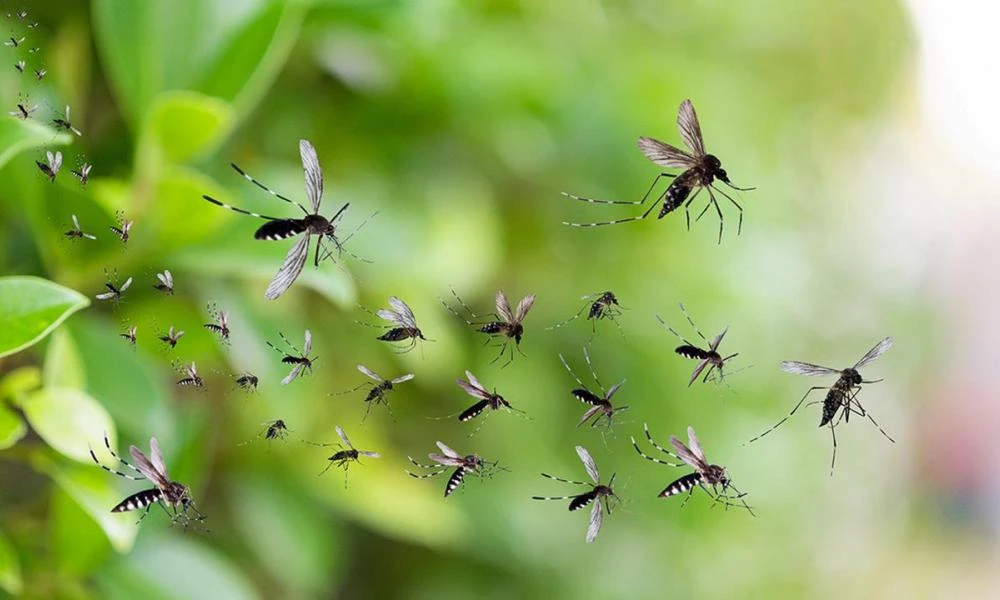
[(69, 420), (183, 125), (20, 135), (78, 544), (16, 384), (63, 366), (12, 428), (10, 567), (30, 308), (91, 488)]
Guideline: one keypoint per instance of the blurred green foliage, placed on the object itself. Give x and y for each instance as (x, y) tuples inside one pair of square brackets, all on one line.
[(460, 124)]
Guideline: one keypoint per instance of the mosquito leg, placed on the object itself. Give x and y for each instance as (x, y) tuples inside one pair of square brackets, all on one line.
[(652, 442), (564, 481), (691, 321), (789, 415), (571, 373), (833, 457), (687, 214), (718, 210), (569, 320), (651, 458), (552, 497), (645, 196), (671, 330), (739, 228), (267, 189), (590, 365)]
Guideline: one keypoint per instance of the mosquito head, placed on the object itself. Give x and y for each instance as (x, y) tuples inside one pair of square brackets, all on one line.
[(716, 475), (851, 377), (715, 166)]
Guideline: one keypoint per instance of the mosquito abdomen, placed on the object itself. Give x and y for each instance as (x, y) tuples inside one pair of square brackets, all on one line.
[(139, 500), (689, 351), (280, 229), (684, 484), (582, 500)]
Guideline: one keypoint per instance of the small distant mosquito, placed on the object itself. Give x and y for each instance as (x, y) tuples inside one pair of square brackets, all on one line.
[(470, 463), (129, 335), (508, 324), (13, 42), (346, 455), (83, 173), (64, 123), (221, 325), (173, 497), (171, 337), (300, 360), (487, 399), (33, 50), (19, 65), (841, 396), (602, 305), (40, 73), (707, 357), (22, 15), (601, 408), (598, 494), (379, 392), (123, 228), (192, 379), (273, 430), (311, 224), (51, 168), (33, 24), (114, 292), (166, 284), (77, 233), (700, 172), (713, 479), (403, 324), (247, 381), (23, 110)]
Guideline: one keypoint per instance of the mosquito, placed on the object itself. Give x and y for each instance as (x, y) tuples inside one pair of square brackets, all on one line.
[(64, 123), (171, 337), (114, 292), (487, 399), (192, 379), (19, 65), (379, 392), (700, 172), (77, 233), (470, 463), (40, 73), (129, 335), (599, 494), (403, 324), (841, 396), (247, 381), (123, 228), (51, 168), (281, 228), (33, 24), (23, 110), (712, 479), (602, 305), (175, 498), (710, 358), (300, 360), (601, 408), (33, 50), (221, 325), (13, 42), (508, 324), (166, 284), (346, 455), (273, 430), (83, 173)]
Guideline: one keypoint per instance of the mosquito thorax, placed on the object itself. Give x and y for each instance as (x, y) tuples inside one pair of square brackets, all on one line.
[(318, 224), (716, 475), (851, 377)]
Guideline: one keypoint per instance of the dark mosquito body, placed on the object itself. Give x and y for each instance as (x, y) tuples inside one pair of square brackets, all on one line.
[(40, 73), (712, 479), (115, 291), (487, 400), (300, 360), (601, 410), (403, 325), (129, 335), (599, 306), (470, 463), (51, 167), (174, 498), (247, 381), (598, 494), (701, 170), (507, 325), (220, 327), (708, 358), (19, 65), (841, 397), (192, 379), (77, 233), (378, 392), (24, 111), (65, 124), (83, 173), (171, 337), (309, 225), (346, 455), (123, 227), (273, 430), (166, 282), (14, 42)]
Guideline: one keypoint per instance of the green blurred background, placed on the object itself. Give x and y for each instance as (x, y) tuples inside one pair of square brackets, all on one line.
[(461, 123)]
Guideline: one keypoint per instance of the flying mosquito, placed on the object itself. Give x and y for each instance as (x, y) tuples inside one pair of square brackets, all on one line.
[(346, 455), (713, 479), (23, 110), (273, 430), (700, 172), (77, 233), (129, 335), (51, 168), (64, 123), (311, 224), (403, 324), (166, 284), (247, 381), (174, 498), (470, 463), (19, 65), (123, 228), (114, 292), (508, 324), (33, 24), (487, 399), (300, 360), (602, 305), (33, 50), (221, 325), (598, 494), (40, 73), (13, 42), (841, 396), (83, 173), (192, 379), (378, 392), (601, 408), (709, 358), (171, 337)]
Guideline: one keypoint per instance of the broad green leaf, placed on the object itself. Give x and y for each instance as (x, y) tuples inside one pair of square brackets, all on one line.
[(63, 366), (10, 567), (183, 125), (16, 384), (30, 308), (181, 216), (78, 544), (93, 489), (21, 135), (69, 420), (12, 428)]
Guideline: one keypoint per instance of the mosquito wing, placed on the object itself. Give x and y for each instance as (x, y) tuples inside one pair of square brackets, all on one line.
[(392, 316), (403, 378), (76, 223), (596, 518), (523, 307), (718, 340), (588, 463), (665, 155), (687, 123), (875, 352), (804, 368), (290, 269), (697, 371), (472, 387), (370, 373), (314, 175), (503, 307), (406, 315), (687, 455), (156, 456), (125, 285), (448, 451), (343, 437), (166, 278), (105, 296), (611, 392), (308, 343), (695, 446), (292, 374), (144, 466)]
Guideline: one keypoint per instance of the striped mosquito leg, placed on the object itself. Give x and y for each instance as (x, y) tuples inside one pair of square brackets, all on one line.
[(652, 442), (552, 497), (463, 305), (236, 209), (593, 372), (265, 188), (739, 227), (565, 481), (107, 444), (691, 321), (645, 196), (671, 330), (652, 458), (569, 320), (789, 415)]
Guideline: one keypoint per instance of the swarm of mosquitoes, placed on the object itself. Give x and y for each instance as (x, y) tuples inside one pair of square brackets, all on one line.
[(504, 329)]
